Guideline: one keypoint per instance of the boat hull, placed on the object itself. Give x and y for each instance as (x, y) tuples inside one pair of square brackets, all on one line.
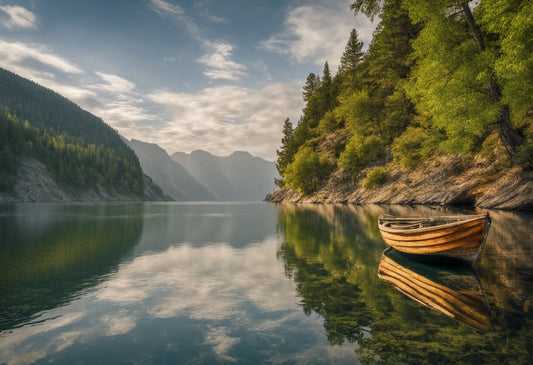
[(462, 240)]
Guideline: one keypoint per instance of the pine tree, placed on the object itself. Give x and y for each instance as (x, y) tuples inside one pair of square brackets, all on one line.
[(326, 89), (352, 56), (287, 150), (311, 85)]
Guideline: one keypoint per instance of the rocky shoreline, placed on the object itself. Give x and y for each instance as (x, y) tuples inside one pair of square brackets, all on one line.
[(443, 180), (33, 183)]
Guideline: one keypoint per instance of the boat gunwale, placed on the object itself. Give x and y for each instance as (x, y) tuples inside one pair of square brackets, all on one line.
[(427, 229)]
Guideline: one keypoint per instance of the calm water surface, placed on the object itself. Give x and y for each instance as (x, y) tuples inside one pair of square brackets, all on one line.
[(247, 283)]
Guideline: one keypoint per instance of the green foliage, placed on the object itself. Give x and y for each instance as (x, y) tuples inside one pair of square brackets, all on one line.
[(465, 63), (525, 155), (375, 178), (450, 78), (468, 73), (332, 253), (78, 149), (414, 145), (73, 163), (362, 113), (287, 150), (328, 123), (352, 56), (510, 22), (360, 151), (312, 84), (308, 171)]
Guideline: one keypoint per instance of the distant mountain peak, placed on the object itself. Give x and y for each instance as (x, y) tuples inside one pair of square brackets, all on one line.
[(240, 154), (201, 153)]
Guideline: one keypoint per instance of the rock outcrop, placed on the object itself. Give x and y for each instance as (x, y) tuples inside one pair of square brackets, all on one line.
[(33, 183), (442, 180)]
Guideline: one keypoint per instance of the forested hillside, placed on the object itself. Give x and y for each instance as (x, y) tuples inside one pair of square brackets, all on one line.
[(439, 78), (80, 150)]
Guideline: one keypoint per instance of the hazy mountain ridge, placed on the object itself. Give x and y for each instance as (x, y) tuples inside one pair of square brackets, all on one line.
[(173, 178), (199, 175), (239, 176)]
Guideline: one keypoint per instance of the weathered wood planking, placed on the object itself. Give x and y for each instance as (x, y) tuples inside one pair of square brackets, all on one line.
[(457, 237)]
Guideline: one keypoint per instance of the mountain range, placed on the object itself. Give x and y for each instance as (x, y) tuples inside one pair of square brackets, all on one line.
[(53, 150), (199, 175)]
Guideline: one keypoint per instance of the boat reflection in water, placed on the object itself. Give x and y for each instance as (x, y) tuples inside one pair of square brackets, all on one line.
[(453, 290)]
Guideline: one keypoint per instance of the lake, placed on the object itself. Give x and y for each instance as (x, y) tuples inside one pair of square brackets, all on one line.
[(203, 283)]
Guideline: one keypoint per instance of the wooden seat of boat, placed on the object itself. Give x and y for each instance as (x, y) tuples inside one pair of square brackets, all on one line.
[(404, 226)]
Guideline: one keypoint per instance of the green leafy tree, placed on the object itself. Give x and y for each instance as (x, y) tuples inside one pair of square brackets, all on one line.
[(455, 81), (360, 151), (414, 145), (308, 171)]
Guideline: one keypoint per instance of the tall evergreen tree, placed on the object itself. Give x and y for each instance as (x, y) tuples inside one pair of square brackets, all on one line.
[(352, 56), (326, 89), (312, 84), (287, 150)]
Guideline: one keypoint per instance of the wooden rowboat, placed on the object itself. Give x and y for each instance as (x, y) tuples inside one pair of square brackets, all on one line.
[(452, 290), (457, 237)]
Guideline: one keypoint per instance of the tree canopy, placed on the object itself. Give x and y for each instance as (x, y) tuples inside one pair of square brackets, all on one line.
[(437, 77), (79, 149)]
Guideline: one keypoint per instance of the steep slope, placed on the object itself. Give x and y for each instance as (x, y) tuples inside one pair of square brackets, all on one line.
[(442, 180), (83, 156), (239, 176), (169, 174)]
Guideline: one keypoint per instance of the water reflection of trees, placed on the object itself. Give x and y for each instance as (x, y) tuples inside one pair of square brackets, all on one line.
[(332, 252), (45, 265)]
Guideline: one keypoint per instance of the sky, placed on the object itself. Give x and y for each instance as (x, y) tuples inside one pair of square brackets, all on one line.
[(216, 75)]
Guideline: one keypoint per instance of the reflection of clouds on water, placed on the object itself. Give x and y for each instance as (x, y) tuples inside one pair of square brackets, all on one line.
[(206, 283), (229, 289), (14, 351), (118, 324), (221, 342)]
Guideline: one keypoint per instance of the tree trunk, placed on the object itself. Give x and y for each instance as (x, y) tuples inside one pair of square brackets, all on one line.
[(508, 135), (510, 138)]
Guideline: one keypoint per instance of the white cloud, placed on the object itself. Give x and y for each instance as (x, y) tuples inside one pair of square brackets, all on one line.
[(217, 59), (319, 32), (164, 8), (14, 53), (39, 64), (176, 13), (227, 118), (119, 103), (111, 97), (220, 119), (218, 62), (18, 17), (115, 84)]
